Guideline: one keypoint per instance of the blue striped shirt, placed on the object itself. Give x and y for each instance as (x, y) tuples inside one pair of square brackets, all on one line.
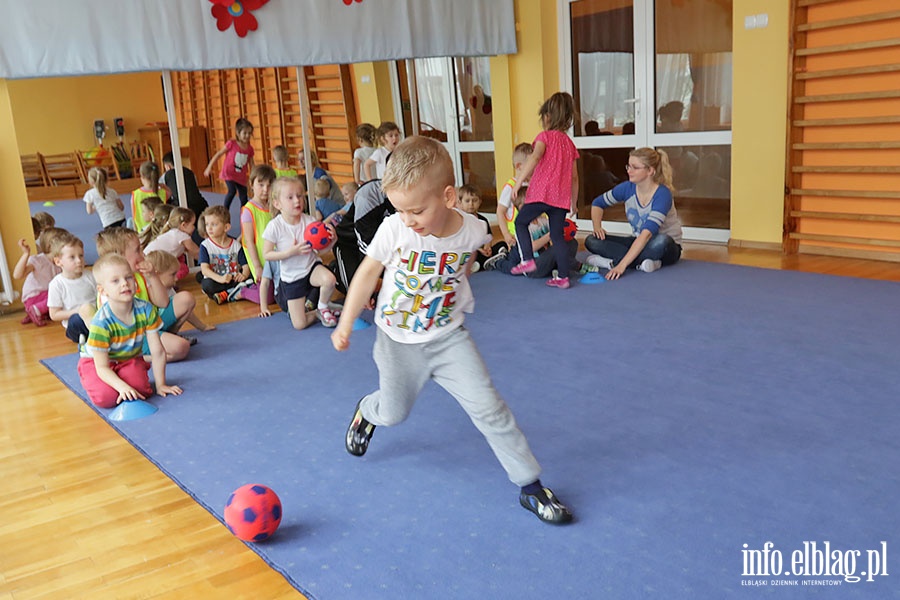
[(659, 216)]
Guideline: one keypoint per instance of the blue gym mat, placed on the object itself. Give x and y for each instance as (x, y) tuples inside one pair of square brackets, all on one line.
[(687, 416), (71, 215)]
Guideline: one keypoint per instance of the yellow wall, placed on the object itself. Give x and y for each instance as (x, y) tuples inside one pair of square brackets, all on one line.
[(514, 85), (15, 219), (759, 124), (57, 115), (374, 100)]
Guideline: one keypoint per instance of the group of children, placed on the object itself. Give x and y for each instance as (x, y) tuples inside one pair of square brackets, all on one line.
[(424, 252)]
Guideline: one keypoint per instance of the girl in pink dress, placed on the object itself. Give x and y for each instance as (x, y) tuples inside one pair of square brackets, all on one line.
[(553, 187)]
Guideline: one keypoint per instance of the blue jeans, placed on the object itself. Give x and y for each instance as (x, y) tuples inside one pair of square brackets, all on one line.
[(545, 262), (557, 218), (660, 247), (235, 188)]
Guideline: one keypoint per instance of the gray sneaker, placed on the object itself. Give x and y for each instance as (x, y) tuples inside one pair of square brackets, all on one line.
[(491, 263)]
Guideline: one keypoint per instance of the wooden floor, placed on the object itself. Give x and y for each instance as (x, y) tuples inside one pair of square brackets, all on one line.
[(86, 516)]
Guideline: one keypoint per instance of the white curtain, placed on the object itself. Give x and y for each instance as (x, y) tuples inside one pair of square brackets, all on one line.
[(673, 79), (429, 89), (45, 38), (606, 80)]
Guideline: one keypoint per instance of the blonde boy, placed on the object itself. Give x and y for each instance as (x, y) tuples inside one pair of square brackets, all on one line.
[(112, 367), (325, 204), (282, 166), (506, 211), (174, 312), (420, 335)]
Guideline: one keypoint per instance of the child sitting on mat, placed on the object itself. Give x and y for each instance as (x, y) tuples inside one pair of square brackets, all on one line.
[(325, 205), (426, 249), (112, 367), (470, 202), (301, 269), (38, 271), (173, 312), (72, 295), (175, 238), (156, 214), (255, 215), (223, 266), (545, 261), (167, 266)]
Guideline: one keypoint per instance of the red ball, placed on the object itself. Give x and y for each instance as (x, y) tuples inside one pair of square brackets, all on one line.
[(570, 230), (253, 512), (317, 235)]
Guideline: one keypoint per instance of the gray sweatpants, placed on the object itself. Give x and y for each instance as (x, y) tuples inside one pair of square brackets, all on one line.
[(453, 361)]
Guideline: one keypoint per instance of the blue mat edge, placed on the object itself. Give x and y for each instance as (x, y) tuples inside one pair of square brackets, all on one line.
[(173, 478)]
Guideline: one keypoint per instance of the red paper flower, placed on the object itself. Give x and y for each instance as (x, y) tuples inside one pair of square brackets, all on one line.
[(237, 12), (349, 2)]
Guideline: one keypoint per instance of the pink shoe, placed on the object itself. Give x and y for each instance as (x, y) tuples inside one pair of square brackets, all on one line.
[(526, 267), (326, 316), (36, 317), (558, 282)]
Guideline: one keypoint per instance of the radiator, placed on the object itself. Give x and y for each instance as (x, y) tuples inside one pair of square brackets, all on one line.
[(7, 294)]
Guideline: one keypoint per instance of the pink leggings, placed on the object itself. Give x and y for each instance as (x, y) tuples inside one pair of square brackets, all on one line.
[(37, 303), (183, 268), (132, 371), (251, 294)]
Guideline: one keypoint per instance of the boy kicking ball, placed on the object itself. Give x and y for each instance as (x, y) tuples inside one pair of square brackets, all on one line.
[(426, 249)]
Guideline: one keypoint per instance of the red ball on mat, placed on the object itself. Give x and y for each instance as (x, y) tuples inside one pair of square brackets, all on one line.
[(253, 512), (317, 235), (570, 230)]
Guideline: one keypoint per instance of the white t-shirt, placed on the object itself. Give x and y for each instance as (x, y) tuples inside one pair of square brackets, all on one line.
[(425, 291), (284, 235), (68, 293), (506, 200), (362, 154), (380, 157), (107, 209), (170, 241)]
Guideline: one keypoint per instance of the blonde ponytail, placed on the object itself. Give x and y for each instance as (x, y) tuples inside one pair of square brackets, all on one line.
[(657, 160)]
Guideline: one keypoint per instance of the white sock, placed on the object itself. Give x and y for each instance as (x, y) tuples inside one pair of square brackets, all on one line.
[(648, 266), (595, 260), (322, 305)]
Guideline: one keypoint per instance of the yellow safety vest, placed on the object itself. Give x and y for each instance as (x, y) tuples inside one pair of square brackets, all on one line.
[(137, 196), (261, 218)]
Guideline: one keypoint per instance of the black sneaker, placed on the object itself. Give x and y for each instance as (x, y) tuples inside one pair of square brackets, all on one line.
[(547, 508), (358, 434)]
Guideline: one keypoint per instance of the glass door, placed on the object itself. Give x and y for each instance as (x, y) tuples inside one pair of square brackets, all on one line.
[(450, 101), (653, 73)]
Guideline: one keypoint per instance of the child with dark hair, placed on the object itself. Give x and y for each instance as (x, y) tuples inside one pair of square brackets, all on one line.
[(238, 162), (149, 188), (553, 187), (193, 198), (222, 262)]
